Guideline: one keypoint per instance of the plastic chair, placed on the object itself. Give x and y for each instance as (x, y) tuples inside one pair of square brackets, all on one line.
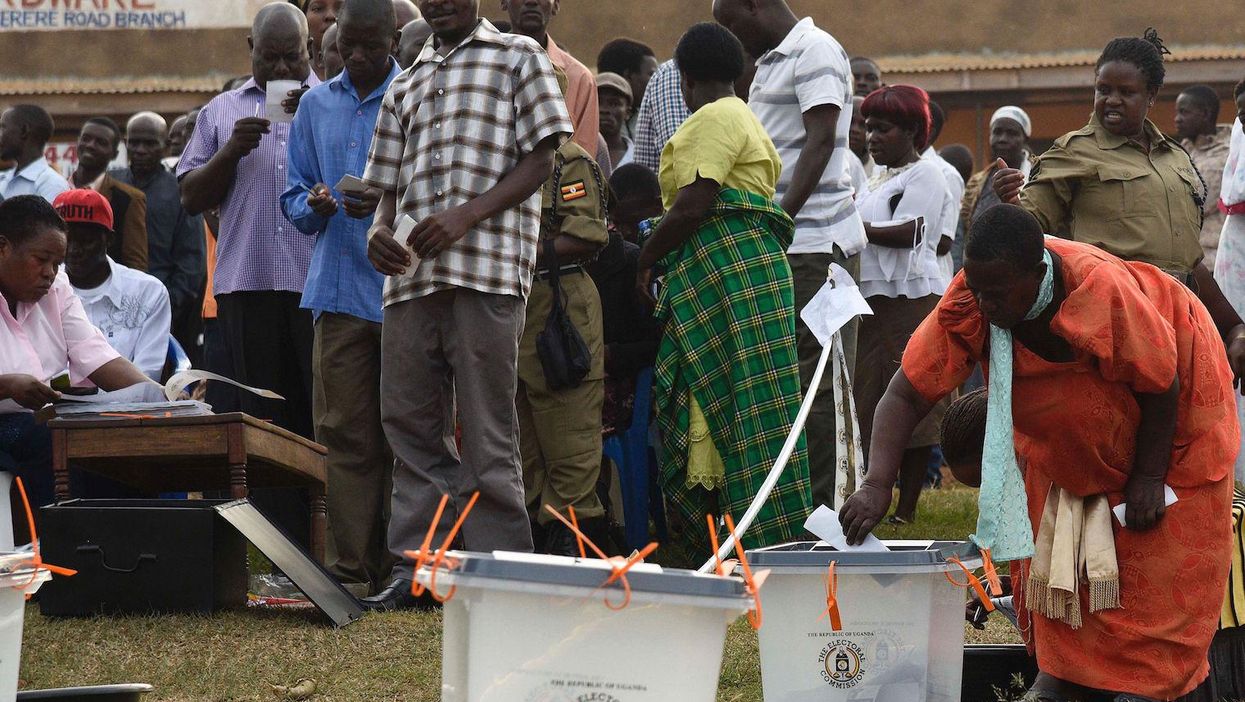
[(630, 452), (176, 358)]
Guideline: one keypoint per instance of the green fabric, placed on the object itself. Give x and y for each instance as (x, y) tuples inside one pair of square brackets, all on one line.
[(729, 308)]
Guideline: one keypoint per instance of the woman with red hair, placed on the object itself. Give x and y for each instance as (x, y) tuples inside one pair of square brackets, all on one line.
[(899, 271)]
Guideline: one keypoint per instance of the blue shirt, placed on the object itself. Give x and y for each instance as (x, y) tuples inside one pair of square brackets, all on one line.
[(330, 137), (38, 178)]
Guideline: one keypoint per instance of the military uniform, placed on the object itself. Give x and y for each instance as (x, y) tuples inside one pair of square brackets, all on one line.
[(1105, 190), (560, 431)]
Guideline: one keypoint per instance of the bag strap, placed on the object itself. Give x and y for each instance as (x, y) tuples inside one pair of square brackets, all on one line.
[(551, 253)]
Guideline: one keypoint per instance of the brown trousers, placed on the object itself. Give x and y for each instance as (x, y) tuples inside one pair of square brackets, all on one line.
[(455, 347), (345, 404)]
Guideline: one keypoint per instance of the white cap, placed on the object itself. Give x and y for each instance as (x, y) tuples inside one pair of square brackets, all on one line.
[(1013, 113)]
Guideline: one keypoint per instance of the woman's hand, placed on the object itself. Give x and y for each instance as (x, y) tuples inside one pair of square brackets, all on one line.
[(26, 390), (1008, 182), (863, 511), (644, 287), (1144, 497)]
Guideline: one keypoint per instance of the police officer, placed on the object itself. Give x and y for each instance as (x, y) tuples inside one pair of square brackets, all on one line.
[(560, 430), (1122, 185)]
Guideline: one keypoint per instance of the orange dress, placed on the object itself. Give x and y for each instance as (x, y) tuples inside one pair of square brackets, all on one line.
[(1132, 329)]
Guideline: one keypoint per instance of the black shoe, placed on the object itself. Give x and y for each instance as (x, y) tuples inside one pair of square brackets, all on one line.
[(396, 597), (560, 541)]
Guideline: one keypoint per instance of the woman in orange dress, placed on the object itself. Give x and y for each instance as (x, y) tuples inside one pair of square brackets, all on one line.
[(1120, 385)]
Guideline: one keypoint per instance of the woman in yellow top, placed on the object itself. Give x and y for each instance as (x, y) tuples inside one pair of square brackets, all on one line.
[(1122, 185), (728, 381)]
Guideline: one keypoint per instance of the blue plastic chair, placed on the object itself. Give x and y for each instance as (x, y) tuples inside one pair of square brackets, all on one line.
[(631, 453)]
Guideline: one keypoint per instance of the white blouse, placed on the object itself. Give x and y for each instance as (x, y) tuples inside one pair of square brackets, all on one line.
[(911, 273)]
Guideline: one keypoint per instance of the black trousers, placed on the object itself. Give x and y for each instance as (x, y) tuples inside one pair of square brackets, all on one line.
[(269, 340)]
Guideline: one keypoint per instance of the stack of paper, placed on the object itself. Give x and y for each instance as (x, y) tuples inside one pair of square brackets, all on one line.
[(130, 410)]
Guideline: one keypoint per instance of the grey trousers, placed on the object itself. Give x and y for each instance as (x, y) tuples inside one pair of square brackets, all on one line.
[(455, 348), (808, 273), (345, 406)]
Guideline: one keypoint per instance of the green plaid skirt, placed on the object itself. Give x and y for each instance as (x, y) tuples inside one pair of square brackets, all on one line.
[(729, 310)]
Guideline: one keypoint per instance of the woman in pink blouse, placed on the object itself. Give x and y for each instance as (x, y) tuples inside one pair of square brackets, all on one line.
[(45, 331)]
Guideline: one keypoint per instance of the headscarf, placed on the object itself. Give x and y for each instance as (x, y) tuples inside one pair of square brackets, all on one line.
[(1013, 113)]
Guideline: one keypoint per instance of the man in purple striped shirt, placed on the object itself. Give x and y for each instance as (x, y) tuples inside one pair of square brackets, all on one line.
[(236, 160)]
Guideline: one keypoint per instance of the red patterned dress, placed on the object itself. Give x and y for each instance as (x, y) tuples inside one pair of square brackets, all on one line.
[(1132, 329)]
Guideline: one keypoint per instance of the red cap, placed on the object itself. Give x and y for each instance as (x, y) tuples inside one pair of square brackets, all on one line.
[(84, 205)]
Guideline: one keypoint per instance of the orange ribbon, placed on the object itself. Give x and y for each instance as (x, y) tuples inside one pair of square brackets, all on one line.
[(750, 584), (438, 557), (832, 600), (619, 571), (972, 582), (36, 561)]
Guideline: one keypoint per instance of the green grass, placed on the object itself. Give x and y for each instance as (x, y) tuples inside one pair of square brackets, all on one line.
[(236, 656)]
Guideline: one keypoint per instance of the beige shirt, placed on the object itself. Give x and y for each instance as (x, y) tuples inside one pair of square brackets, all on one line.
[(1209, 153)]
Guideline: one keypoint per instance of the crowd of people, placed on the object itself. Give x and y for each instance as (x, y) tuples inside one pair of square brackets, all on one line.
[(456, 252)]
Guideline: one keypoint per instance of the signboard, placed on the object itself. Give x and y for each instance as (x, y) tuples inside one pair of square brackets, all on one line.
[(64, 157), (28, 15)]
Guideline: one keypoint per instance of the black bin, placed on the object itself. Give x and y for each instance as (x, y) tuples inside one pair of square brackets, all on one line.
[(141, 557)]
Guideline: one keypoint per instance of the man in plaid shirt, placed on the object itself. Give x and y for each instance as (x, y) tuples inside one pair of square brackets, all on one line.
[(464, 140)]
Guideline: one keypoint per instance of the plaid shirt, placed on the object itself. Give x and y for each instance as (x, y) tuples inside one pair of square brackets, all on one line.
[(662, 112), (257, 249), (450, 128)]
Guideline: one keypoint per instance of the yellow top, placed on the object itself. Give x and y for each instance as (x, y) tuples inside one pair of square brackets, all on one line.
[(724, 142), (1104, 190)]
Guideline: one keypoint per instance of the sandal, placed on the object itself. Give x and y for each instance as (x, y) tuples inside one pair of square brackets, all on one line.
[(898, 520)]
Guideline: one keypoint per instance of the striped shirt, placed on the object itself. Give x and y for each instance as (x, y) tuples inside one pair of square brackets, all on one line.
[(450, 128), (1234, 603), (662, 111), (257, 249), (809, 69)]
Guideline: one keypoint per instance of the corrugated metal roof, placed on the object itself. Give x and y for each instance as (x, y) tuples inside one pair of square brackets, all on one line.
[(946, 63), (121, 85)]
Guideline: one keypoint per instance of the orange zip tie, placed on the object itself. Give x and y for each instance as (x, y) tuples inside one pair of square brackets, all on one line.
[(619, 571), (579, 537), (713, 541), (36, 561), (992, 574), (421, 556), (750, 586), (445, 545), (972, 582), (126, 415), (832, 600)]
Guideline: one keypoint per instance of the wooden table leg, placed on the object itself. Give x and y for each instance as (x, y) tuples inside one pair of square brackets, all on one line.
[(60, 464), (319, 522), (237, 481)]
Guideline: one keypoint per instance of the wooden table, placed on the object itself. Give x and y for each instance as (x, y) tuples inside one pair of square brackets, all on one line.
[(173, 454)]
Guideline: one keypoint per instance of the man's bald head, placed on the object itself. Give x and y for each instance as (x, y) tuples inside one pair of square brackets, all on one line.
[(404, 12), (148, 120), (278, 18), (414, 36), (280, 49)]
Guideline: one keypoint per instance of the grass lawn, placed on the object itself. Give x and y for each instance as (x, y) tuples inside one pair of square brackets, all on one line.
[(236, 655)]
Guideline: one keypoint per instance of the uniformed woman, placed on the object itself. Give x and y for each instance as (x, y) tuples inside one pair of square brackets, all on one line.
[(1122, 185)]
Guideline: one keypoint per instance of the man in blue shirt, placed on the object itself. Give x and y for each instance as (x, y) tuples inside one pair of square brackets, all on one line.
[(330, 138)]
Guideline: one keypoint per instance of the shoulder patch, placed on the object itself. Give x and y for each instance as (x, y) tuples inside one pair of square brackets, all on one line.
[(574, 191)]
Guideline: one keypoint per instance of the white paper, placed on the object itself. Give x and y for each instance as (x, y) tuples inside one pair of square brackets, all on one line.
[(177, 384), (140, 392), (824, 523), (1169, 499), (278, 91), (834, 305), (350, 185), (406, 225)]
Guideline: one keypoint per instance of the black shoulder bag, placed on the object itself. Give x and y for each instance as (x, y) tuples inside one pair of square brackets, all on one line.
[(564, 356)]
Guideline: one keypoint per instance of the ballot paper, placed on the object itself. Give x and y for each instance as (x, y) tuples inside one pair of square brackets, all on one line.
[(838, 301), (350, 185), (146, 399), (406, 225), (278, 91), (1169, 499), (824, 523)]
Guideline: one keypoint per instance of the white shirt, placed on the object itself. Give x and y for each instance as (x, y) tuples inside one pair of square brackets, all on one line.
[(132, 310), (1232, 192), (810, 69), (950, 206), (37, 178), (856, 176), (910, 273)]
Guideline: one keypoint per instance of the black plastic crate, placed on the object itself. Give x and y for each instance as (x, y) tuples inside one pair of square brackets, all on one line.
[(141, 557)]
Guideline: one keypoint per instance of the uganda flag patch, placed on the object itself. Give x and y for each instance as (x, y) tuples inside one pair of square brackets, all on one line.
[(574, 191)]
